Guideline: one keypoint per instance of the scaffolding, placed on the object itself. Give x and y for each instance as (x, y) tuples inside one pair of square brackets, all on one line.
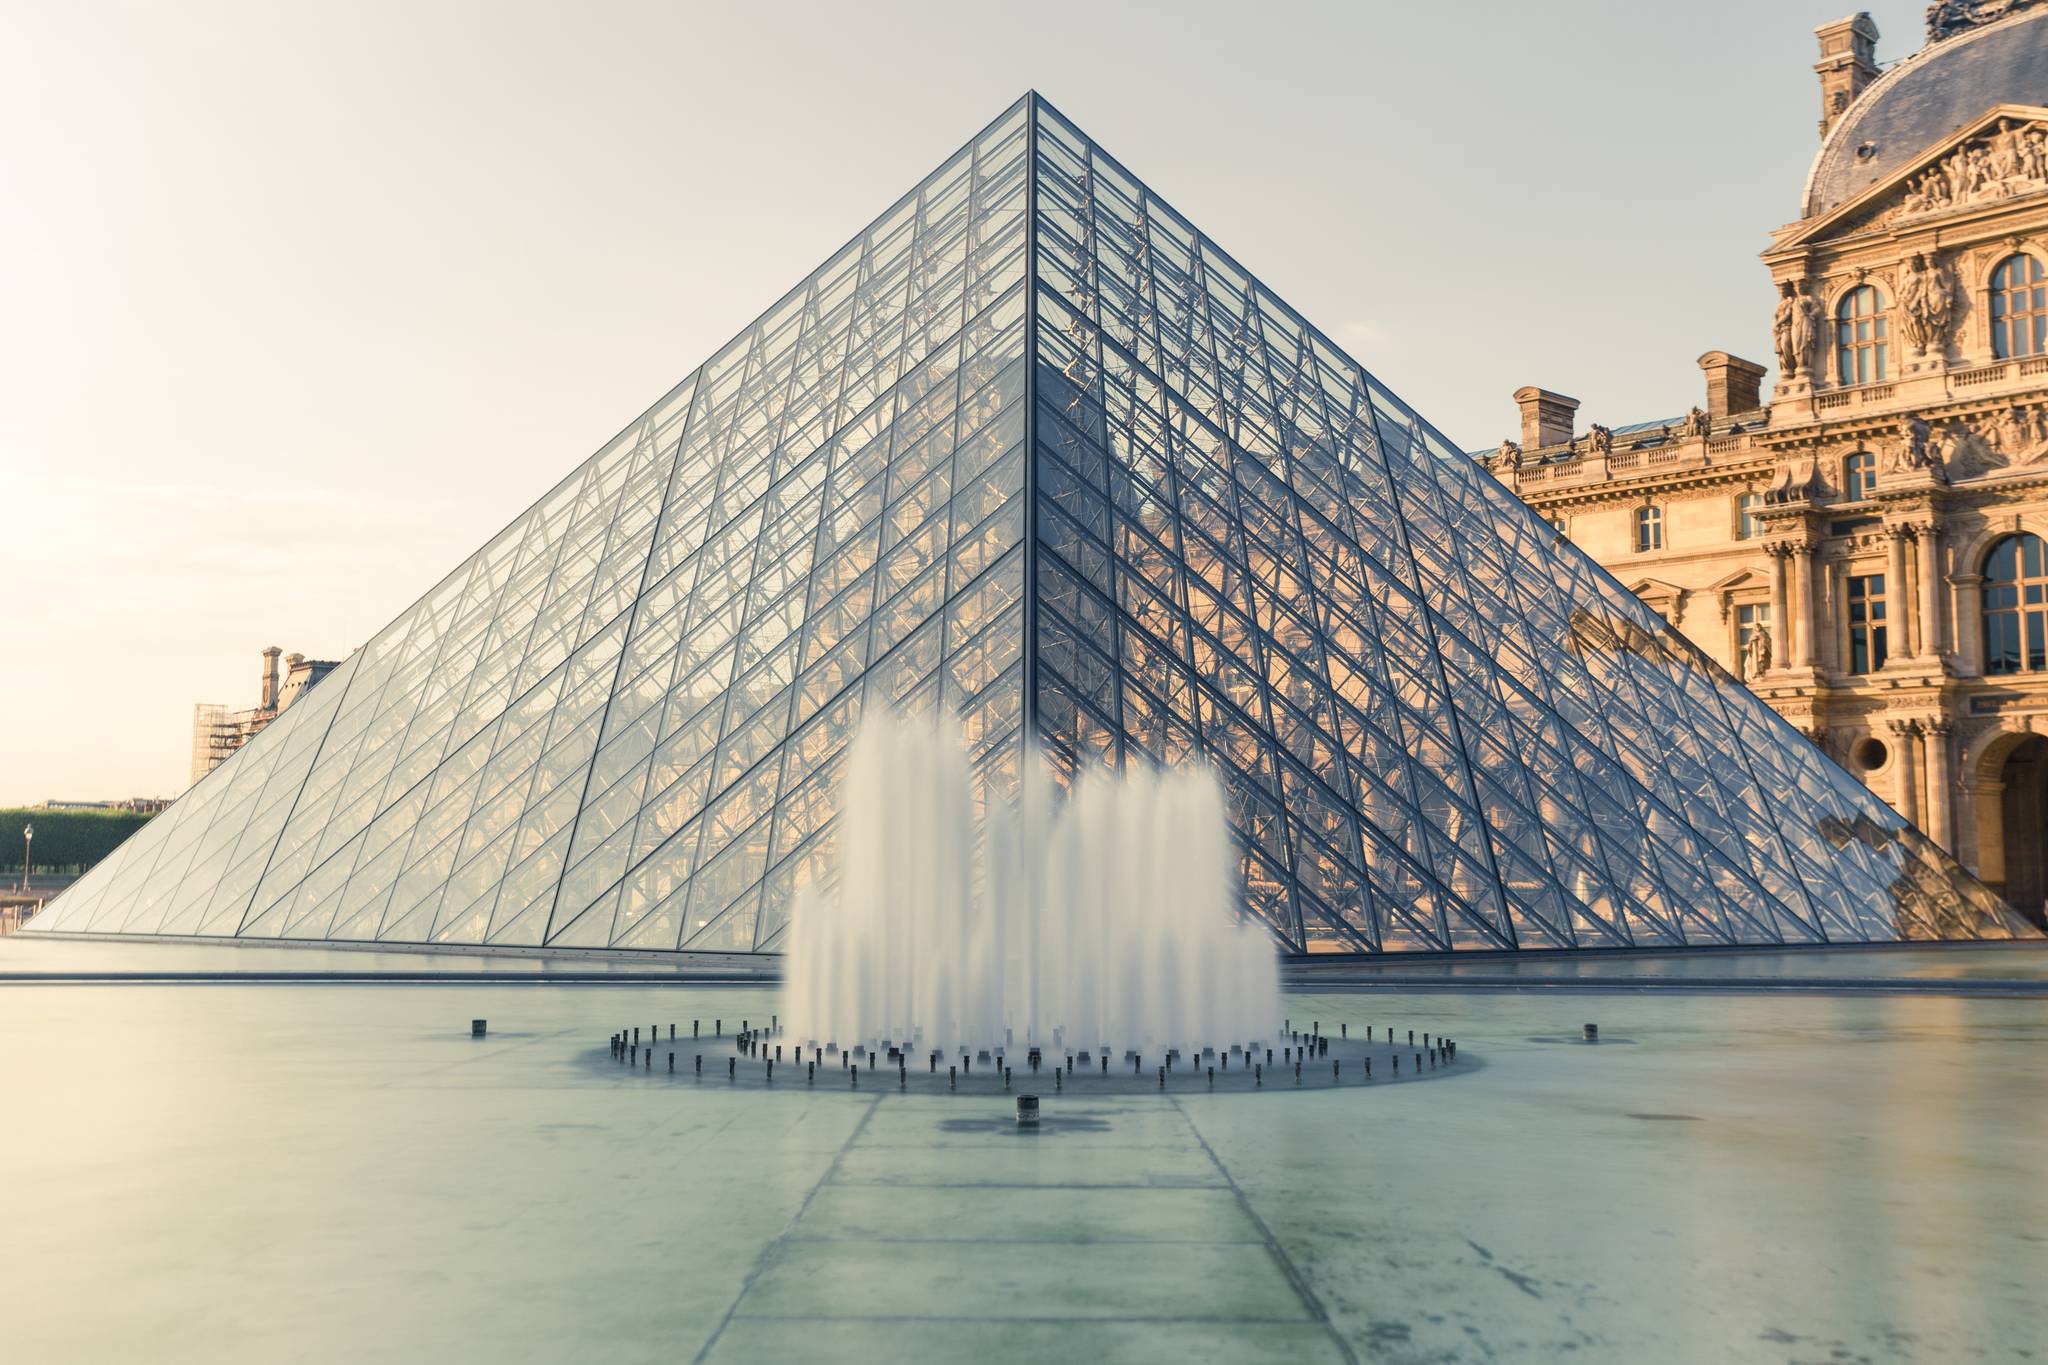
[(217, 732)]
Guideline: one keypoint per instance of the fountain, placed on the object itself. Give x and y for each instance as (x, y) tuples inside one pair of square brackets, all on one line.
[(1107, 920)]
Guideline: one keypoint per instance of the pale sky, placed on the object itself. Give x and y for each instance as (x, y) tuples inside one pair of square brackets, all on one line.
[(300, 302)]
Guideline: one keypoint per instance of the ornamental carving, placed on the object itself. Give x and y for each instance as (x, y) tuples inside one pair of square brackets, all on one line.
[(1795, 328), (2010, 159), (1919, 448), (1798, 480), (1946, 18), (2011, 437), (1927, 301)]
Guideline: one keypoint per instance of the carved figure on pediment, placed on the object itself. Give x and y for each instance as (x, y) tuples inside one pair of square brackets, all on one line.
[(1600, 440), (2034, 153), (1919, 448), (1983, 174), (2006, 432), (1756, 653), (1695, 422), (2020, 434), (1923, 194), (1955, 173), (1959, 452), (1927, 297), (2001, 152)]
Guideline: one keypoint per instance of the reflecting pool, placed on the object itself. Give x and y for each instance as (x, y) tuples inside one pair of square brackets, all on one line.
[(340, 1172)]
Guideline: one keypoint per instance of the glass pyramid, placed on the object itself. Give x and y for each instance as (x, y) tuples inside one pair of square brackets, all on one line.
[(1031, 450)]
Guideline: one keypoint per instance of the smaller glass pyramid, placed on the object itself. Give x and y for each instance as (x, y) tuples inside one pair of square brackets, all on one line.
[(1033, 451)]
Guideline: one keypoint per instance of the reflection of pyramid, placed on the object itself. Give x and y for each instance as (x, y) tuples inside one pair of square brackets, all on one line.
[(1184, 523)]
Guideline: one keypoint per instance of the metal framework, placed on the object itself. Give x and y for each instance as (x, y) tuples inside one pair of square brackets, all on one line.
[(1033, 452)]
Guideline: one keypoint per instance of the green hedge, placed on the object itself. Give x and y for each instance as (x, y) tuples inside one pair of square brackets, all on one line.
[(66, 840)]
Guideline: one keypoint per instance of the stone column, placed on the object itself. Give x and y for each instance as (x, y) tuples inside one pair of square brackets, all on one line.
[(1930, 593), (1969, 624), (1987, 809), (1829, 586), (1906, 734), (1781, 621), (1941, 813), (1901, 630), (1802, 606)]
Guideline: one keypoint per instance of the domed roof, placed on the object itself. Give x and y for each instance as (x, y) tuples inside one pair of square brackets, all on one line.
[(1924, 99)]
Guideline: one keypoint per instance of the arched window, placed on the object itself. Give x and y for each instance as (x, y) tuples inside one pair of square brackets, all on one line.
[(1649, 528), (1862, 336), (2016, 606), (1747, 527), (1859, 476), (2019, 307)]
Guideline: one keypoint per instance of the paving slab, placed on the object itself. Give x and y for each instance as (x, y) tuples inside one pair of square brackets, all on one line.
[(895, 1213), (854, 1342), (985, 1280)]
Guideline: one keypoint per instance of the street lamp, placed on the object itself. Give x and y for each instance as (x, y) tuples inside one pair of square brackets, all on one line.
[(28, 834)]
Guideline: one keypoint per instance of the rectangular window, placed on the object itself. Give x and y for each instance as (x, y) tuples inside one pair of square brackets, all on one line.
[(1649, 529), (1747, 619), (1867, 645), (1747, 527)]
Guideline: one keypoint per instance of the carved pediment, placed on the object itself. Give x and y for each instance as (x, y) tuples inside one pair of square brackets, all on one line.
[(1666, 599), (2003, 155), (1741, 581)]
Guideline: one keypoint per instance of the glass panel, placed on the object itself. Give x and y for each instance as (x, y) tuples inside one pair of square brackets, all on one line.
[(1132, 507)]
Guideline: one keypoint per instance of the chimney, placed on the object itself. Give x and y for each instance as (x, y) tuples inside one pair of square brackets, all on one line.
[(1546, 417), (269, 702), (1733, 385), (1848, 62)]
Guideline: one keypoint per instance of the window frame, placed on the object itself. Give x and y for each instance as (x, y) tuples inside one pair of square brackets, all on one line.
[(1862, 336), (1649, 528), (1859, 476), (2032, 315), (1759, 614), (1866, 620), (2013, 612), (1747, 525)]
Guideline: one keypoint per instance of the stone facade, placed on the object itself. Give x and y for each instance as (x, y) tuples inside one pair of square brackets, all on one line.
[(1890, 486), (217, 731)]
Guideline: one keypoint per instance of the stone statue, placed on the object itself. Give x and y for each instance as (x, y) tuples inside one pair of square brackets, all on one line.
[(1927, 297), (2006, 429), (1509, 454), (1600, 440), (1943, 450), (1919, 449), (2005, 151), (1695, 422), (1795, 326), (1756, 653), (1781, 331)]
